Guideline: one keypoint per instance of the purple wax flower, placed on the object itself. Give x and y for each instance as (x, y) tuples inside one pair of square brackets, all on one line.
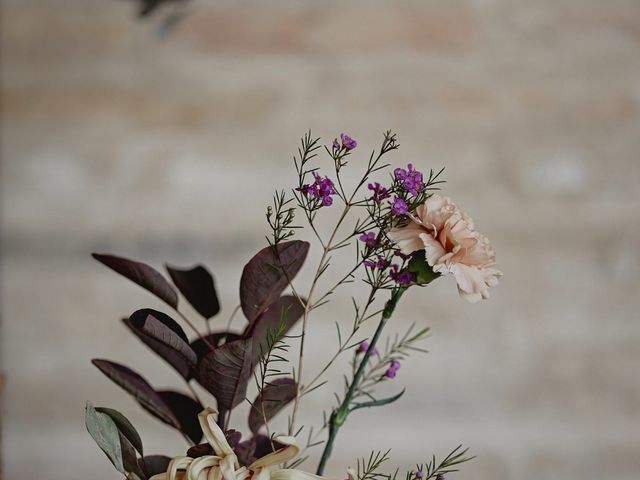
[(398, 253), (393, 368), (401, 277), (321, 188), (379, 192), (411, 180), (369, 239), (381, 263), (335, 144), (369, 263), (419, 474), (348, 143), (405, 278), (399, 207), (363, 347)]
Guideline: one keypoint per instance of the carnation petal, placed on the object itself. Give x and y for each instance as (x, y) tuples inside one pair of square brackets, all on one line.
[(407, 239), (432, 248), (474, 282)]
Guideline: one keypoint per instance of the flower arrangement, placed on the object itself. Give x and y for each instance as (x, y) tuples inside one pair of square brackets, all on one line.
[(404, 235)]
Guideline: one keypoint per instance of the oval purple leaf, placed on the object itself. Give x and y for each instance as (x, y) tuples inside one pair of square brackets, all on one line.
[(286, 308), (165, 337), (215, 339), (153, 464), (186, 410), (139, 388), (142, 274), (198, 287), (225, 372), (267, 275), (273, 398)]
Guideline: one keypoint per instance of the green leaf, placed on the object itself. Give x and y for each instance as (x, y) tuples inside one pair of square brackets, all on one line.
[(378, 403), (424, 273), (124, 426), (105, 433)]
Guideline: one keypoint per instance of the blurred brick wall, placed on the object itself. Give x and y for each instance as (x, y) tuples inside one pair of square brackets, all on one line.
[(167, 148)]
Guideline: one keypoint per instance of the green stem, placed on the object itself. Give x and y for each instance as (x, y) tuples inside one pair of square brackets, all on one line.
[(339, 415)]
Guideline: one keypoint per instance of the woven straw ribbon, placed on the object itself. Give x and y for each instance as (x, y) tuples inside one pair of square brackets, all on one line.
[(224, 464)]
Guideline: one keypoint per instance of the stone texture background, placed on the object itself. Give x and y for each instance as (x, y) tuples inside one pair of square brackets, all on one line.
[(167, 147)]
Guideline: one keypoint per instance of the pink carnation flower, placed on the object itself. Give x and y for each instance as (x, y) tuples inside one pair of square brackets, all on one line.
[(451, 245)]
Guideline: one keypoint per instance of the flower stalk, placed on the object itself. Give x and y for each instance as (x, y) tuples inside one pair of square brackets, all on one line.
[(340, 414)]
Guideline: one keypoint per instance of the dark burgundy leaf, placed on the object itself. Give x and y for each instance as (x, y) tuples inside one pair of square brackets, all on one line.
[(200, 450), (264, 446), (146, 7), (186, 410), (225, 372), (256, 447), (275, 396), (142, 274), (233, 437), (197, 286), (270, 320), (215, 339), (245, 451), (165, 337), (137, 386), (267, 275), (129, 456), (153, 464)]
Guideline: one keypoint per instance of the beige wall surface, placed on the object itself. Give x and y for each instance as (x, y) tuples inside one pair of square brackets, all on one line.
[(117, 137)]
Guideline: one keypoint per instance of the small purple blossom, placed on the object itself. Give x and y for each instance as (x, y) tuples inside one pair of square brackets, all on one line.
[(369, 239), (379, 192), (411, 180), (398, 253), (364, 346), (401, 277), (405, 278), (321, 188), (419, 474), (348, 143), (393, 368), (399, 207), (381, 263)]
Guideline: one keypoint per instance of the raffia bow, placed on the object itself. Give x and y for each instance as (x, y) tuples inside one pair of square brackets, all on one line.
[(224, 464)]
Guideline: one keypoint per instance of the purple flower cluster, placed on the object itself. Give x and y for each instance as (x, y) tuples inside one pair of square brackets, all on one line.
[(401, 277), (398, 253), (363, 347), (379, 192), (399, 207), (369, 239), (346, 142), (411, 180), (321, 188), (381, 263), (393, 368)]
